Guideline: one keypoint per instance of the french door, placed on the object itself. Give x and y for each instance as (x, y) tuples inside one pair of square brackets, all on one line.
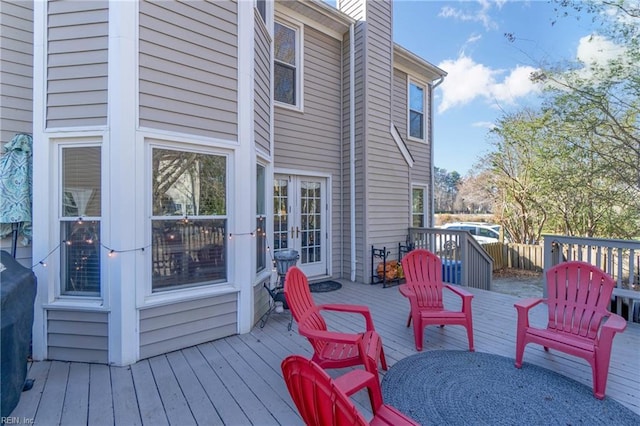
[(300, 220)]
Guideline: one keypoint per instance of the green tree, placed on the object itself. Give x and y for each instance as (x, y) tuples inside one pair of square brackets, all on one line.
[(446, 189), (589, 180), (515, 167)]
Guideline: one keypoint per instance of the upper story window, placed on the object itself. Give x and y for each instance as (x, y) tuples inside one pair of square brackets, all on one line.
[(286, 64), (417, 209), (80, 219), (416, 111), (189, 219)]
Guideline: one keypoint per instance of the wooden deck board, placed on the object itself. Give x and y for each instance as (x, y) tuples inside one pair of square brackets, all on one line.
[(199, 403), (125, 401), (29, 401), (233, 382), (51, 403), (149, 401), (76, 398), (100, 395), (173, 399), (238, 381), (227, 408)]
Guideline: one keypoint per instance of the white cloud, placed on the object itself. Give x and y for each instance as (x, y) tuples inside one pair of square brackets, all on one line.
[(484, 124), (467, 81), (597, 50), (480, 15), (473, 38)]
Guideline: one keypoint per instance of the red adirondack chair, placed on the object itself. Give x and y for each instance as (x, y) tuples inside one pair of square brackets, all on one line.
[(580, 324), (424, 289), (332, 349), (323, 401)]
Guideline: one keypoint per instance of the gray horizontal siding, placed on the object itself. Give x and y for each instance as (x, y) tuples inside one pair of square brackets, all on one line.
[(77, 63), (388, 200), (342, 257), (262, 95), (261, 300), (360, 35), (388, 173), (170, 327), (16, 73), (303, 138), (188, 67), (400, 102), (312, 141), (420, 151), (78, 336)]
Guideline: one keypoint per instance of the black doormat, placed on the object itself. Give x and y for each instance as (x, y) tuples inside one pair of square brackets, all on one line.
[(324, 286)]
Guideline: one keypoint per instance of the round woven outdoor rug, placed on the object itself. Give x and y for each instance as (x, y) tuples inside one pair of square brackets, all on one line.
[(324, 286), (473, 388)]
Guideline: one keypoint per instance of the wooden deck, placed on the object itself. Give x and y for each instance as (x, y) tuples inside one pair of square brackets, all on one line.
[(237, 380)]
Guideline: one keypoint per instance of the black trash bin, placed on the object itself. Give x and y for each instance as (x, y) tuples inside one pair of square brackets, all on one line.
[(285, 259), (18, 294)]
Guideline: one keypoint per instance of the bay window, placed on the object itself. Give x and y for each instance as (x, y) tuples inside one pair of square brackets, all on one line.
[(189, 219), (80, 246)]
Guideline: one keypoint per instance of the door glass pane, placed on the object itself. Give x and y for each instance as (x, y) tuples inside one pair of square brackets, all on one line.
[(310, 219), (280, 213)]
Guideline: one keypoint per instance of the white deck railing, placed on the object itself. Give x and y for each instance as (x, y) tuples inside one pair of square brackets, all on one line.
[(464, 261), (618, 258)]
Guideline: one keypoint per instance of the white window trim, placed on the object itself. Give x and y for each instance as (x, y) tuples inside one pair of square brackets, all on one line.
[(56, 257), (425, 199), (412, 81), (264, 220), (149, 298), (299, 29)]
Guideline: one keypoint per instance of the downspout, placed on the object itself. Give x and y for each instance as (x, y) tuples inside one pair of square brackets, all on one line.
[(352, 151), (433, 186)]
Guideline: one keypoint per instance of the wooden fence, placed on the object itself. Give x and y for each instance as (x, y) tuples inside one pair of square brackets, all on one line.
[(516, 256)]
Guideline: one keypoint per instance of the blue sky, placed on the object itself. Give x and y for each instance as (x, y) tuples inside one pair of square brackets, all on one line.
[(487, 75)]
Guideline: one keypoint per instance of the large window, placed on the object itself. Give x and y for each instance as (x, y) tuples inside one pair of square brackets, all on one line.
[(286, 69), (418, 208), (80, 221), (261, 210), (189, 219), (416, 111)]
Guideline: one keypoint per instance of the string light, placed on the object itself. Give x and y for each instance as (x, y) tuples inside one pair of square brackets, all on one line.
[(112, 252)]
